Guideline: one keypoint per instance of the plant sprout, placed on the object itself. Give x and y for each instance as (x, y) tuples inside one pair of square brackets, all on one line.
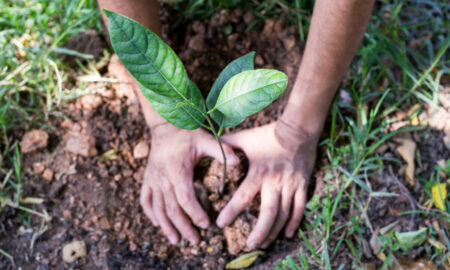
[(238, 92)]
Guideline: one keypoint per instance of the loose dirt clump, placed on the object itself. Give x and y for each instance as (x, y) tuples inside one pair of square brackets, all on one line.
[(98, 157)]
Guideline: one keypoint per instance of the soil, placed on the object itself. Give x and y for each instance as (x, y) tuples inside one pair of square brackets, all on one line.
[(91, 169)]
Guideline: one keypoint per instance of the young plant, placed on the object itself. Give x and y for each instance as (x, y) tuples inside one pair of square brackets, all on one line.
[(238, 92)]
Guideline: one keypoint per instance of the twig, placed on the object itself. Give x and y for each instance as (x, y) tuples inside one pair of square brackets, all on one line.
[(406, 192)]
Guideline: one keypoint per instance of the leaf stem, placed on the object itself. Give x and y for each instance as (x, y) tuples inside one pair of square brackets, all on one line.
[(217, 135)]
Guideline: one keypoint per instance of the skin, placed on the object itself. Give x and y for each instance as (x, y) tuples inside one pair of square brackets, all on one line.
[(281, 154)]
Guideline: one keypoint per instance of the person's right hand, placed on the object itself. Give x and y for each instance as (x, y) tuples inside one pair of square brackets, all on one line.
[(167, 193)]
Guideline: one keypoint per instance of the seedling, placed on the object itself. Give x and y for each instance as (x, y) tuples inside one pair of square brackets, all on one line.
[(238, 92)]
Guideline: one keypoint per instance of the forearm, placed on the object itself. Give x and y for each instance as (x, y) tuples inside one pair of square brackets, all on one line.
[(336, 30), (145, 12)]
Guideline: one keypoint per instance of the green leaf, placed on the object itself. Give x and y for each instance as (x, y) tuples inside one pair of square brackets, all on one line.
[(250, 91), (244, 261), (408, 240), (235, 67), (178, 112), (161, 75)]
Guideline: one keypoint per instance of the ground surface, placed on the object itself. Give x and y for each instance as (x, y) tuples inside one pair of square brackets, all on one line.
[(94, 197), (96, 201)]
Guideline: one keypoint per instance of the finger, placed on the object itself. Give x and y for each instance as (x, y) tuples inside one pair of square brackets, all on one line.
[(239, 139), (178, 217), (270, 200), (160, 213), (297, 212), (240, 200), (185, 195), (283, 216), (210, 147), (146, 203)]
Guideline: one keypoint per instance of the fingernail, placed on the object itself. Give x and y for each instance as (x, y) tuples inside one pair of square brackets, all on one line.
[(251, 244), (173, 239), (193, 241), (220, 222), (289, 234), (204, 224), (233, 159), (265, 245)]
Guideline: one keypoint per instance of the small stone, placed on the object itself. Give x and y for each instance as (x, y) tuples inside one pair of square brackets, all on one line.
[(81, 144), (90, 102), (248, 17), (74, 251), (198, 27), (47, 175), (38, 167), (289, 42), (268, 27), (133, 246), (259, 60), (67, 215), (33, 140), (231, 40), (196, 43), (141, 150)]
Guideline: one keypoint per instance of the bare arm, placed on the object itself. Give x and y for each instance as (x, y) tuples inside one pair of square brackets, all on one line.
[(282, 154), (336, 30), (167, 194), (145, 12)]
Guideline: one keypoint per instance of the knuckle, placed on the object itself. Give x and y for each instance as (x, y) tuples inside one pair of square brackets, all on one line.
[(283, 215), (271, 210), (244, 197)]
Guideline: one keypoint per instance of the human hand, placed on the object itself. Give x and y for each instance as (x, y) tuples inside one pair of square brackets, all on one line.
[(280, 167), (167, 193)]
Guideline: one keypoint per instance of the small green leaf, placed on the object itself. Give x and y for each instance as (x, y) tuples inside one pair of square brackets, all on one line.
[(235, 67), (244, 261), (250, 91), (161, 75), (109, 155), (182, 116), (408, 240)]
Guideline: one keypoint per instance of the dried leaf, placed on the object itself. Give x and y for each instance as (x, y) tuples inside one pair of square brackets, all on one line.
[(420, 264), (436, 244), (244, 261), (32, 200), (439, 195), (376, 245), (407, 150), (109, 155), (408, 240)]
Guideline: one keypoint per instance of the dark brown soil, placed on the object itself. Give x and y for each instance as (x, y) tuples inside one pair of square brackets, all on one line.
[(97, 201)]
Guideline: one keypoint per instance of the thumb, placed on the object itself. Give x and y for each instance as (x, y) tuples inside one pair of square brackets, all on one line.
[(208, 146)]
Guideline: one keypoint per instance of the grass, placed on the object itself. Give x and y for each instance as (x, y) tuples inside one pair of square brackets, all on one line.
[(400, 65), (32, 83), (388, 75)]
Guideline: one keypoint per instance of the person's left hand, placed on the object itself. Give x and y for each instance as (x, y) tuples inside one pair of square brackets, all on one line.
[(280, 167)]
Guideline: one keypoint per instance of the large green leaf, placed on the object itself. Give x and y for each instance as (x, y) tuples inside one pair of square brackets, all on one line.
[(161, 75), (250, 91), (235, 67)]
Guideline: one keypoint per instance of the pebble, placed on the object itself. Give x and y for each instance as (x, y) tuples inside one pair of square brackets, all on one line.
[(141, 150), (81, 144), (33, 140), (74, 251), (38, 167), (196, 43), (47, 175), (90, 102)]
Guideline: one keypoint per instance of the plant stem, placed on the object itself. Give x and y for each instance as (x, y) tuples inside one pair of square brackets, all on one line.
[(217, 135)]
